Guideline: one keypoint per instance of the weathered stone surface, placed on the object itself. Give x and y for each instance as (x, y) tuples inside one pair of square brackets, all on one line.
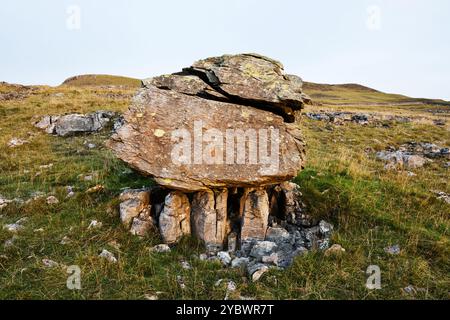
[(188, 130), (72, 124), (209, 217), (255, 215), (292, 206), (174, 220), (277, 235), (254, 79), (133, 202), (263, 248)]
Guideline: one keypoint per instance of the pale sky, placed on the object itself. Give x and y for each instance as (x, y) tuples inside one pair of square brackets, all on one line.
[(399, 46)]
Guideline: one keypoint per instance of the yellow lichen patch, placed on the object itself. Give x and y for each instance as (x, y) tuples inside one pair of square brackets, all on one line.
[(159, 133)]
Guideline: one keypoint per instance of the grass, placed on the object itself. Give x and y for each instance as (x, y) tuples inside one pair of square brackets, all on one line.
[(370, 208), (102, 80)]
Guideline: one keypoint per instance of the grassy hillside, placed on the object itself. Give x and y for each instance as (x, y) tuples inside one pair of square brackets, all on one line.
[(101, 80), (371, 208), (351, 94)]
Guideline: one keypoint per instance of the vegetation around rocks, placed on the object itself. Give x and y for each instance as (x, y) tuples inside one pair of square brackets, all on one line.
[(371, 208)]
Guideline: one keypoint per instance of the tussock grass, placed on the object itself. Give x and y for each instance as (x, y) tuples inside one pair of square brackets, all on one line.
[(369, 207)]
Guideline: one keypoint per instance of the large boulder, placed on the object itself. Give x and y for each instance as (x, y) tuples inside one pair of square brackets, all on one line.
[(225, 122)]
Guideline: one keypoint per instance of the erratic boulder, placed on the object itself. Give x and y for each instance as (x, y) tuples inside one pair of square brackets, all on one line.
[(229, 121)]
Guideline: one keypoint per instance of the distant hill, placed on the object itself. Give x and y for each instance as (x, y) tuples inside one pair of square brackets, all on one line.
[(350, 94), (101, 80)]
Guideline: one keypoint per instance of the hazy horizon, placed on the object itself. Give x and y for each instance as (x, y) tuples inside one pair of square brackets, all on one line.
[(392, 46)]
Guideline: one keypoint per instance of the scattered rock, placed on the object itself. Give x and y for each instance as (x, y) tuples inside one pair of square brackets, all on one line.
[(95, 189), (224, 257), (50, 263), (240, 262), (186, 265), (160, 248), (181, 283), (72, 124), (257, 270), (334, 249), (105, 254), (443, 196), (16, 142), (95, 224), (65, 240), (393, 250), (52, 200), (263, 248), (360, 118), (70, 192)]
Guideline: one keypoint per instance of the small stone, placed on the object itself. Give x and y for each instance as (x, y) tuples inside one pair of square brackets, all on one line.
[(334, 249), (65, 240), (410, 290), (16, 142), (46, 166), (105, 254), (181, 283), (263, 248), (14, 227), (231, 286), (277, 235), (240, 262), (151, 297), (9, 243), (186, 265), (70, 192), (160, 248), (325, 228), (271, 259), (50, 263), (224, 257), (39, 230), (52, 200), (203, 256), (394, 250), (95, 189), (256, 271), (95, 224)]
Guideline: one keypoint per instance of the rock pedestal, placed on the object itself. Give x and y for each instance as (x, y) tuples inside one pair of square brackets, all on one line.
[(222, 138)]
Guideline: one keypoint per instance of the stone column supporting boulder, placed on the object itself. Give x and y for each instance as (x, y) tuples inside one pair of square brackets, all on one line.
[(223, 138), (209, 217), (174, 220), (255, 214), (135, 211)]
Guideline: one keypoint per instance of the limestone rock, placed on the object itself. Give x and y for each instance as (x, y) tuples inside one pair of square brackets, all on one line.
[(160, 248), (209, 217), (72, 124), (254, 79), (188, 130), (174, 220), (263, 248), (277, 235), (255, 213), (133, 202)]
